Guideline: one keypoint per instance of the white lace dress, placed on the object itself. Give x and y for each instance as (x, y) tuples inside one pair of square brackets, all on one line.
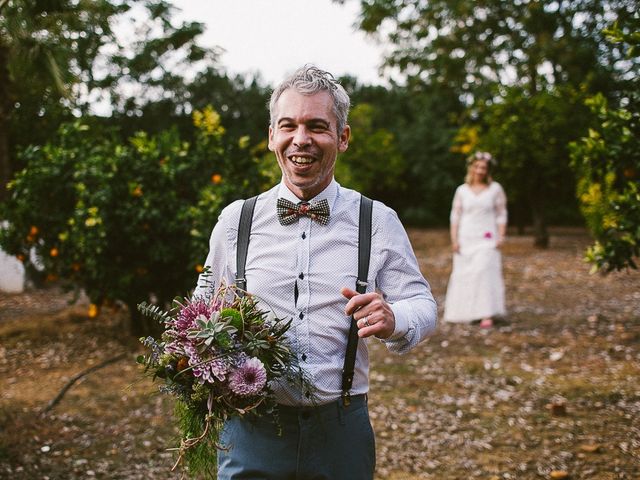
[(476, 286)]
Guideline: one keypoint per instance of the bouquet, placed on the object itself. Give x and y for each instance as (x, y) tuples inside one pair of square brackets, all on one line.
[(218, 356)]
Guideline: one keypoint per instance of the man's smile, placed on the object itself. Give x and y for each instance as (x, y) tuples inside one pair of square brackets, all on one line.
[(301, 160)]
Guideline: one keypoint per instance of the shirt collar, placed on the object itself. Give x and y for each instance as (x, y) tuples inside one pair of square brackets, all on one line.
[(330, 193)]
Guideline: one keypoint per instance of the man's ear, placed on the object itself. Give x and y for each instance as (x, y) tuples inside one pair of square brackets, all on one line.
[(271, 139), (343, 141)]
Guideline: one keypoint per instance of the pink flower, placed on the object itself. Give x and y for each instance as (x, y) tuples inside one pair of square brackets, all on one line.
[(190, 311), (205, 367), (249, 378), (488, 235)]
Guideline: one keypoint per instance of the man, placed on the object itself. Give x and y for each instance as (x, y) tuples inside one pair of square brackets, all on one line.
[(305, 267)]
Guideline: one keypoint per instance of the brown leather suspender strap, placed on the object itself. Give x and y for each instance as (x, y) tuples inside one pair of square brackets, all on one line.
[(364, 253)]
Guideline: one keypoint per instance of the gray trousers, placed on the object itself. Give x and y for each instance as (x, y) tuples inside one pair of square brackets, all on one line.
[(329, 442)]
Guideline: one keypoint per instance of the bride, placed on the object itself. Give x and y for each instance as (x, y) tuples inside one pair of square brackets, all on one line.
[(478, 227)]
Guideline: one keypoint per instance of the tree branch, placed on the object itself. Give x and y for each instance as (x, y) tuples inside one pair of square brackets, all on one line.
[(77, 377)]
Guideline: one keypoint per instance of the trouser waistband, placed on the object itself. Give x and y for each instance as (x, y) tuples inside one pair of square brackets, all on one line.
[(336, 407)]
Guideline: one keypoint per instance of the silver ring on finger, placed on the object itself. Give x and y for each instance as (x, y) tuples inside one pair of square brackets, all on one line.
[(366, 321)]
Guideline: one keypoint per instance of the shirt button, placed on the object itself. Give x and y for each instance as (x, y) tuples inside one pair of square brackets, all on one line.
[(304, 235), (301, 276), (304, 357), (301, 316)]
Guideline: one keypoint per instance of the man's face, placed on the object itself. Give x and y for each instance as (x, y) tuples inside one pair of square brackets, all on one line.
[(306, 141)]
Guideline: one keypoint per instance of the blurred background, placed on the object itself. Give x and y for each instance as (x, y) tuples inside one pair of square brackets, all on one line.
[(126, 126)]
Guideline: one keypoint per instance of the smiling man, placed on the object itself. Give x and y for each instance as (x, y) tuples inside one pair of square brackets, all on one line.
[(303, 260)]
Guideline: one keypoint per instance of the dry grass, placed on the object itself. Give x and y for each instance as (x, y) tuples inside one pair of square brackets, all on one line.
[(465, 404)]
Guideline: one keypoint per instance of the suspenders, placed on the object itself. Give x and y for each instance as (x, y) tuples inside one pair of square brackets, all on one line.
[(364, 253), (244, 231)]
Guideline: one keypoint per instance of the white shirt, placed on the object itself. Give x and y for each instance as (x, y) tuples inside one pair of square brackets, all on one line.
[(322, 259)]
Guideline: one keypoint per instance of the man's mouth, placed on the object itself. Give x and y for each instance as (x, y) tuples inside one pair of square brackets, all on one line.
[(301, 160)]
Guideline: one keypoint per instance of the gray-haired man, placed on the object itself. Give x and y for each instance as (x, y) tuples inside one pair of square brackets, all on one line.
[(305, 267)]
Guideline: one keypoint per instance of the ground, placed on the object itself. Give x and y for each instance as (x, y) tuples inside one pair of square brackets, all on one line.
[(552, 390)]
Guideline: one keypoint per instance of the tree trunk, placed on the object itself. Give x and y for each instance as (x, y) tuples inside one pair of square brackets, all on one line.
[(5, 114), (540, 234)]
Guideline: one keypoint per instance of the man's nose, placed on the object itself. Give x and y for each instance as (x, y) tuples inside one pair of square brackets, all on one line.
[(302, 137)]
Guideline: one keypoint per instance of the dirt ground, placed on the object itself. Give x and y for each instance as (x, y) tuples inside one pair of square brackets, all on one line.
[(552, 390)]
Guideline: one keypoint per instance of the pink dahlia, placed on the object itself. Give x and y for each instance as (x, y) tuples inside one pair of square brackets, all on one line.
[(190, 311), (249, 378)]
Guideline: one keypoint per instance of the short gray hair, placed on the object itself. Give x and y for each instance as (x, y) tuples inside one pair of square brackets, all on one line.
[(309, 80)]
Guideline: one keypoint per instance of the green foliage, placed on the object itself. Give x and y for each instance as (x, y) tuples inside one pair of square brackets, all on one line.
[(607, 162), (46, 50), (529, 136), (420, 122), (372, 164), (198, 459), (470, 47), (127, 221), (510, 61)]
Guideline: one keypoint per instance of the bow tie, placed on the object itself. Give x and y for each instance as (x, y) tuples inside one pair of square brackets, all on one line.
[(288, 212)]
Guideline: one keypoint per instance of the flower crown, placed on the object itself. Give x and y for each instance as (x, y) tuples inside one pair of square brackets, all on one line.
[(481, 156)]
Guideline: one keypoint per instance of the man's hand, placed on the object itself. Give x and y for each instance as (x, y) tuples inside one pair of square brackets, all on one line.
[(374, 316)]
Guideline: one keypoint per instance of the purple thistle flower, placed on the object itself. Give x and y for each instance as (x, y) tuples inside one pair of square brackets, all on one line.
[(249, 378), (190, 311)]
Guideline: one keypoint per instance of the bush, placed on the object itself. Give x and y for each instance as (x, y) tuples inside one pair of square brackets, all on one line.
[(607, 162), (126, 222)]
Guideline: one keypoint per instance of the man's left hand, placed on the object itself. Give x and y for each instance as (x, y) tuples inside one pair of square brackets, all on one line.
[(374, 316)]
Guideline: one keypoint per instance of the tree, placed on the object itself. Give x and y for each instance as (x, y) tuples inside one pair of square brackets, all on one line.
[(529, 135), (422, 120), (126, 222), (45, 49), (484, 51), (58, 56), (372, 164), (607, 163), (471, 46)]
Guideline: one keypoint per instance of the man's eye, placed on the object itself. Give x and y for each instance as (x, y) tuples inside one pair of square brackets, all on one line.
[(318, 128), (287, 126)]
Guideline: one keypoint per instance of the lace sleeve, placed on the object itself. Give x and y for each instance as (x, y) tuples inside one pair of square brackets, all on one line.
[(456, 208), (500, 205)]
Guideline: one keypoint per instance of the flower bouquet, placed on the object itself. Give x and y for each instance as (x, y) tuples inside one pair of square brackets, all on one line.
[(218, 356)]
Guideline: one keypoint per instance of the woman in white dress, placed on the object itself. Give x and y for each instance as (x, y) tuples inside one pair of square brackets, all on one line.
[(478, 227)]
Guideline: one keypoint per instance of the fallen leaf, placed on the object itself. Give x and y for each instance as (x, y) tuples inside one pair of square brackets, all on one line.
[(590, 447), (557, 474), (557, 407)]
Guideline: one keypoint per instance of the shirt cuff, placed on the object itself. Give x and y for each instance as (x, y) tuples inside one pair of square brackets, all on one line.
[(401, 315)]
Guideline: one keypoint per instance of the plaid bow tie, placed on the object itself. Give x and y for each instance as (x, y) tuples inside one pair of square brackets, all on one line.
[(288, 212)]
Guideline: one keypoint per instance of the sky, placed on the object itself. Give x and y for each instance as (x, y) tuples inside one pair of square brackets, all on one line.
[(274, 37)]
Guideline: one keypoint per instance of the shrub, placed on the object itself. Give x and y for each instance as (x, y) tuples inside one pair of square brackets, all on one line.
[(126, 222)]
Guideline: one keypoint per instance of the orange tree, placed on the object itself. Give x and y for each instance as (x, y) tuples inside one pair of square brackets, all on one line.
[(126, 222), (607, 163)]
